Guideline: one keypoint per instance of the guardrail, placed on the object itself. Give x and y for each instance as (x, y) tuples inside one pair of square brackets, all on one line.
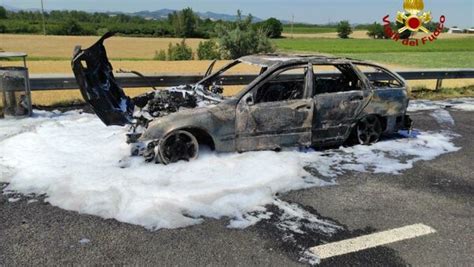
[(68, 82)]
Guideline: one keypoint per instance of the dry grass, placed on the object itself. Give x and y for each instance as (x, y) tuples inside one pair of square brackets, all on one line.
[(38, 46)]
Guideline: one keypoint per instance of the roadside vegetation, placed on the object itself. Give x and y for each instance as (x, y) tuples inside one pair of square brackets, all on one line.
[(181, 24), (443, 93)]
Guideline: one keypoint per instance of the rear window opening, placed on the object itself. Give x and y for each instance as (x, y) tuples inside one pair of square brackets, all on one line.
[(379, 77)]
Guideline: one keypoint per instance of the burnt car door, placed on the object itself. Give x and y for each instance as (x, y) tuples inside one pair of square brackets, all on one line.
[(340, 93), (390, 93), (277, 112), (94, 75)]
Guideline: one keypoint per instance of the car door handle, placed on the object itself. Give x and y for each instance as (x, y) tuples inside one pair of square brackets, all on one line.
[(305, 106)]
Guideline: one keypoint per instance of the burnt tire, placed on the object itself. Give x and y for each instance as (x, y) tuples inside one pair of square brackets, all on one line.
[(368, 130), (178, 145)]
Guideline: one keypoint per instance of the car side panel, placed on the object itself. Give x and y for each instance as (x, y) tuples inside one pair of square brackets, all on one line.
[(274, 125), (390, 104), (218, 121)]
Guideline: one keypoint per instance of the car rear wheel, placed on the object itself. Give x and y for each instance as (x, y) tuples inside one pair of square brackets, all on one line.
[(179, 145), (369, 130)]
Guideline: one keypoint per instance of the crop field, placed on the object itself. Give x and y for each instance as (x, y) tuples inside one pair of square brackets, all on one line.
[(52, 54), (327, 45), (41, 47), (359, 34), (307, 29), (444, 53)]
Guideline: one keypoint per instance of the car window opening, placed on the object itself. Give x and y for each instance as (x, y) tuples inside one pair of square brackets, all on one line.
[(287, 85), (379, 77), (335, 78)]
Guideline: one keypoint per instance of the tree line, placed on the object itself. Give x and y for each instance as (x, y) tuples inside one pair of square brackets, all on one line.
[(183, 24)]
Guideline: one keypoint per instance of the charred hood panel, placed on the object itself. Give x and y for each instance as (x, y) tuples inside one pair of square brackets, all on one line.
[(94, 75)]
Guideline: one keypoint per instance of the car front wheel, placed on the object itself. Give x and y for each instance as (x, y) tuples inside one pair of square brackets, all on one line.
[(179, 145), (369, 130)]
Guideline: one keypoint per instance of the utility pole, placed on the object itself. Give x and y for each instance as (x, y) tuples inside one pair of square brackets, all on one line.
[(42, 14), (292, 24)]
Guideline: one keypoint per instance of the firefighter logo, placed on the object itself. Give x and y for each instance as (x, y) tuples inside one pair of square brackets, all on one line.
[(413, 19)]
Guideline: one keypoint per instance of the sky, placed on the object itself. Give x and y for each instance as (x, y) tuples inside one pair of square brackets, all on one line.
[(458, 12)]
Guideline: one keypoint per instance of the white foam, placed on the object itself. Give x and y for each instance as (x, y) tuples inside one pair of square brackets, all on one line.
[(75, 160), (465, 104), (443, 117)]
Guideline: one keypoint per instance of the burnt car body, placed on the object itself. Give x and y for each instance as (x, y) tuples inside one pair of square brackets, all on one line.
[(294, 101)]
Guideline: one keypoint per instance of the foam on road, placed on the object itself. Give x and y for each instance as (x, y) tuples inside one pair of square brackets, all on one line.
[(83, 166)]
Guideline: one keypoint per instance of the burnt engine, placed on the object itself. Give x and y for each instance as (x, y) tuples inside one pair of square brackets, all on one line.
[(160, 103)]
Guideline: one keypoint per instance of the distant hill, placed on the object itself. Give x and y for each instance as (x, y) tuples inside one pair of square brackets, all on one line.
[(160, 14), (163, 14)]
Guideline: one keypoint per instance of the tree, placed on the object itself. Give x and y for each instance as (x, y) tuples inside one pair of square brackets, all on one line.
[(180, 51), (240, 38), (272, 27), (344, 29), (376, 31), (3, 13), (208, 50), (71, 27), (184, 22)]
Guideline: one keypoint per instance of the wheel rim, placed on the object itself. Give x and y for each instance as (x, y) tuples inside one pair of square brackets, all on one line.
[(369, 130), (177, 146)]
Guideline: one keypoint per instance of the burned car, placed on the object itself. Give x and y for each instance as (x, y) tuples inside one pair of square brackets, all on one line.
[(294, 100)]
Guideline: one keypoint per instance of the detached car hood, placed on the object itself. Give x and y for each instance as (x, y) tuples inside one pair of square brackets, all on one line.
[(94, 75)]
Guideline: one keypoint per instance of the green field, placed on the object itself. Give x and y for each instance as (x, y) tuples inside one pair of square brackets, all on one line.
[(420, 59), (308, 29), (445, 53)]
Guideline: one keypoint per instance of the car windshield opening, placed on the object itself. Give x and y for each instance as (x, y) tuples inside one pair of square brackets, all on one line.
[(232, 78)]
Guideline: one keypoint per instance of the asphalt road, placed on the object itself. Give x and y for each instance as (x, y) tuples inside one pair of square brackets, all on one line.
[(438, 193)]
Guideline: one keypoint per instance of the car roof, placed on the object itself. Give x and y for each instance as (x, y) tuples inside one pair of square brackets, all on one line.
[(268, 60)]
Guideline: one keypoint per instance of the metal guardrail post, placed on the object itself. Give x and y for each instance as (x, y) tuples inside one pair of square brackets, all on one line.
[(439, 84)]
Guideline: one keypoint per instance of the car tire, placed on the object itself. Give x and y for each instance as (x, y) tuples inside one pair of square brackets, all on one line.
[(176, 146), (368, 130)]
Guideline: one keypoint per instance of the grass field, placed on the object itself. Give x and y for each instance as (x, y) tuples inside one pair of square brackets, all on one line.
[(444, 53), (420, 59), (362, 34), (334, 46), (308, 29)]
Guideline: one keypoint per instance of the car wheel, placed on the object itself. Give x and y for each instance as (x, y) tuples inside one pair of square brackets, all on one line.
[(369, 130), (179, 145)]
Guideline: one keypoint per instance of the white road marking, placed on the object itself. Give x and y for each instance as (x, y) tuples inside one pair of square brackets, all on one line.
[(371, 241)]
